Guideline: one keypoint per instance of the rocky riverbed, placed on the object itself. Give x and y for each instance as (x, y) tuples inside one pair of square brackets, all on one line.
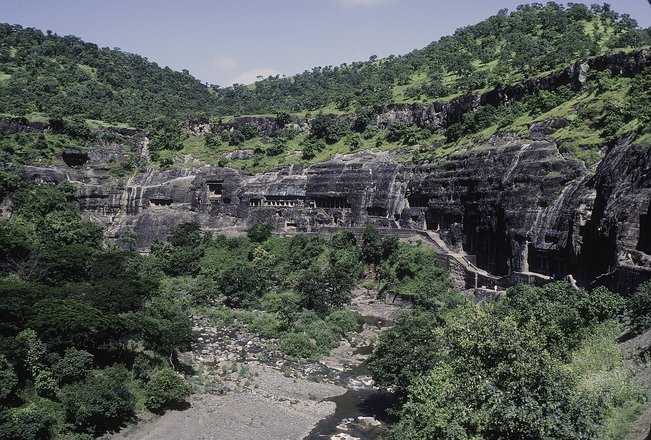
[(246, 389)]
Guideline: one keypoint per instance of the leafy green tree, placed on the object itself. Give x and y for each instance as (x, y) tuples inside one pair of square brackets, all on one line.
[(278, 146), (639, 94), (8, 379), (374, 247), (166, 134), (323, 290), (186, 234), (372, 250), (311, 147), (97, 404), (33, 351), (212, 141), (259, 233), (74, 366), (165, 390), (601, 305), (46, 384), (342, 321), (63, 323), (59, 263), (164, 328), (556, 309), (495, 382), (640, 308), (28, 422), (242, 286), (343, 240), (407, 350), (328, 128)]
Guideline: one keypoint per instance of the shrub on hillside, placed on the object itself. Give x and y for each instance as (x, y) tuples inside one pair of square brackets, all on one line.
[(165, 390)]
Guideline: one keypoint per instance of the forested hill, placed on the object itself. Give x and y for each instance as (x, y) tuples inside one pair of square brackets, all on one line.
[(505, 48), (63, 76)]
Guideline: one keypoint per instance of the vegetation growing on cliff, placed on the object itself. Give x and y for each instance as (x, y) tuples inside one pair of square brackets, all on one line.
[(505, 48), (51, 78)]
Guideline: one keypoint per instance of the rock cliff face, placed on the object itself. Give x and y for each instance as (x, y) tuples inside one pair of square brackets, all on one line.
[(513, 205), (443, 114)]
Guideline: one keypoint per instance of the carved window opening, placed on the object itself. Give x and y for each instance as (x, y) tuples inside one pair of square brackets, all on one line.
[(331, 202), (376, 211), (215, 188), (283, 201), (418, 201), (160, 201), (255, 202)]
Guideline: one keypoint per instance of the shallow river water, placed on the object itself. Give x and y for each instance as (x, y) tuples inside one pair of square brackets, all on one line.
[(359, 401)]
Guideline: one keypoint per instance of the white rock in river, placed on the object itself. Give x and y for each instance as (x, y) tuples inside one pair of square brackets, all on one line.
[(343, 436), (369, 421)]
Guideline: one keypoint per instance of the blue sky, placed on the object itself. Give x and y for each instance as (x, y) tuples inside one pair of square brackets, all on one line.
[(226, 41)]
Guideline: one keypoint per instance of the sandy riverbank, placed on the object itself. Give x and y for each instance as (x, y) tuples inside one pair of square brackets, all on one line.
[(273, 407)]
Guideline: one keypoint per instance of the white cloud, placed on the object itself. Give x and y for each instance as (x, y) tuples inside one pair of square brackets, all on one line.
[(221, 63), (254, 75), (347, 4)]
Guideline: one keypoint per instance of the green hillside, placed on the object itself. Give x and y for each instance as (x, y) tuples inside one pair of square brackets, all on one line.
[(508, 47), (51, 78), (65, 76)]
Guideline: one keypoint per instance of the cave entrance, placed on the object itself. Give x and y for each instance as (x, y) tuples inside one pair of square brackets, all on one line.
[(74, 157), (435, 221), (376, 211), (255, 202), (547, 262), (331, 202), (160, 200), (418, 200), (484, 236), (215, 188)]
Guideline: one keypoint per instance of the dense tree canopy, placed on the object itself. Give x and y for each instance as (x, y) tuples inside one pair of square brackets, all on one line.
[(63, 76), (530, 40)]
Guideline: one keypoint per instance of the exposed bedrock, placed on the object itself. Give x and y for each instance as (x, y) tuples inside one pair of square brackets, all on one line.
[(512, 206), (443, 114)]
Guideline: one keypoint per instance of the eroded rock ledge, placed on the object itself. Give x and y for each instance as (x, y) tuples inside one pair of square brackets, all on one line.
[(512, 206)]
